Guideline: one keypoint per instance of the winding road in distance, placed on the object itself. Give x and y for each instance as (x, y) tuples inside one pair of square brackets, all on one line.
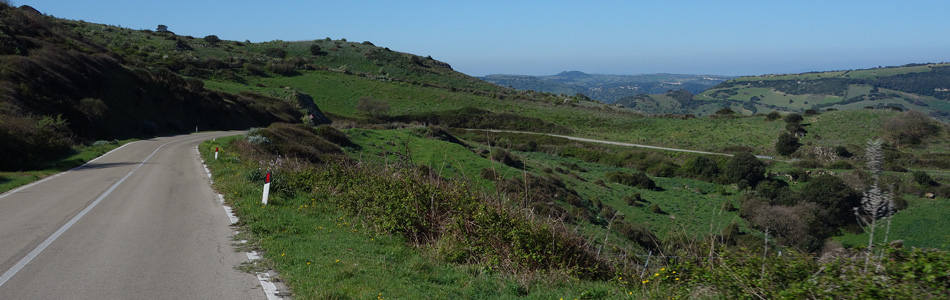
[(616, 143), (140, 222)]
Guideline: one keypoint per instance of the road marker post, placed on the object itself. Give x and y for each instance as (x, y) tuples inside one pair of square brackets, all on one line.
[(266, 189), (215, 153)]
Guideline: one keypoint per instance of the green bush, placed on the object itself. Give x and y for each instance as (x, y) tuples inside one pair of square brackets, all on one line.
[(702, 167), (841, 165), (30, 143), (275, 52), (744, 167), (786, 144), (638, 179), (922, 178)]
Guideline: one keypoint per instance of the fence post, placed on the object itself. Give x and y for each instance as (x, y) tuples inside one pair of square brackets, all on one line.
[(266, 189), (645, 265)]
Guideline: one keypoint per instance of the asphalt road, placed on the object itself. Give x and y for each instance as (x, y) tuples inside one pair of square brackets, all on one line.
[(138, 223)]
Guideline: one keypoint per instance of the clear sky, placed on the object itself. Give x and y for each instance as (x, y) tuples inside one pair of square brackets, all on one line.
[(546, 37)]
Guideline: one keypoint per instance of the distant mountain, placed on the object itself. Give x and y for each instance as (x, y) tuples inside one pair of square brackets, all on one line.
[(607, 88)]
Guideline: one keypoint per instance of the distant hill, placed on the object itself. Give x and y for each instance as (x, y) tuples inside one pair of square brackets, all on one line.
[(922, 87), (607, 88)]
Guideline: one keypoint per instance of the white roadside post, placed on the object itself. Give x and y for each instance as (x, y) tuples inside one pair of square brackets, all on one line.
[(215, 153), (266, 189)]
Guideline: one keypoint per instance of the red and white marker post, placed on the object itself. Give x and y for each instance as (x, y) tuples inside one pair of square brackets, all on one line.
[(266, 189), (215, 153)]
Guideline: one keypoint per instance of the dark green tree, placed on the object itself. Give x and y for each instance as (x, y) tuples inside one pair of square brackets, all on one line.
[(772, 116), (794, 119), (275, 52), (315, 50), (213, 40), (744, 167), (786, 144)]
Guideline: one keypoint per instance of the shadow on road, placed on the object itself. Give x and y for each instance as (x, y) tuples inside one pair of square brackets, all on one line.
[(93, 166)]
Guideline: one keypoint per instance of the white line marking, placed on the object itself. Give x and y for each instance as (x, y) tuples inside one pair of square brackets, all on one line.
[(270, 289), (39, 249), (268, 286)]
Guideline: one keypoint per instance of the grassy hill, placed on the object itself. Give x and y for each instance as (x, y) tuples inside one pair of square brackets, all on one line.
[(399, 187), (607, 88), (921, 87)]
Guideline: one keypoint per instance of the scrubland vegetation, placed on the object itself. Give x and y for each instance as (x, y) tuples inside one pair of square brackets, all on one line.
[(405, 195)]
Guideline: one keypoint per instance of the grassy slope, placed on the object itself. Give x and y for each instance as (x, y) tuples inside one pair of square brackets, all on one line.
[(323, 253), (923, 224), (788, 102), (692, 206)]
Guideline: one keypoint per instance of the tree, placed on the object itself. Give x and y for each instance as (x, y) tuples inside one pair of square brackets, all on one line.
[(212, 39), (772, 116), (725, 111), (794, 118), (373, 108), (275, 52), (162, 28), (909, 128), (786, 144), (702, 166), (315, 50), (744, 167)]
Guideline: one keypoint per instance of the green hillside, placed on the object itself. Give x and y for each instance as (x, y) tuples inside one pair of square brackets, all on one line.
[(921, 87), (407, 194)]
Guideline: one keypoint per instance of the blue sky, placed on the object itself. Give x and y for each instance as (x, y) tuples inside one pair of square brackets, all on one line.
[(547, 37)]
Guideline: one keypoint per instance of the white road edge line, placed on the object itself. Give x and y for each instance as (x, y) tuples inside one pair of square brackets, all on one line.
[(14, 191), (39, 249), (267, 285)]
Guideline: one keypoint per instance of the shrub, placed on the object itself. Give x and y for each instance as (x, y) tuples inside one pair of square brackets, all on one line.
[(275, 52), (910, 128), (639, 234), (725, 112), (638, 179), (702, 166), (282, 68), (793, 118), (655, 208), (842, 151), (298, 140), (786, 144), (922, 178), (212, 39), (633, 200), (29, 143), (772, 116), (841, 165), (744, 167), (373, 108), (663, 169), (505, 157), (315, 50)]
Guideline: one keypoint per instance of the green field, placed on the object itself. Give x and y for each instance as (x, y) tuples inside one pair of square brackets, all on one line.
[(922, 224)]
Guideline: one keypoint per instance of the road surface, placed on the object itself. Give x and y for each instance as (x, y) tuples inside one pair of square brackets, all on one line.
[(138, 223)]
